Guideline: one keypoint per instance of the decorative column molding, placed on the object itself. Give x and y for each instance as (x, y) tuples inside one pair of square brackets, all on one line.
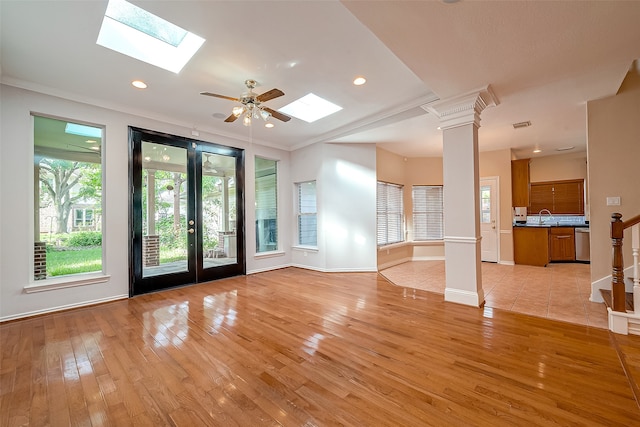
[(459, 120), (462, 109)]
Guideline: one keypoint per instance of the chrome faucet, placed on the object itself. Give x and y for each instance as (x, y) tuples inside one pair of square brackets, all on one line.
[(540, 215)]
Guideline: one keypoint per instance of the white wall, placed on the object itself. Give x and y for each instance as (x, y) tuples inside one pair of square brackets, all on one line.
[(345, 176), (16, 200)]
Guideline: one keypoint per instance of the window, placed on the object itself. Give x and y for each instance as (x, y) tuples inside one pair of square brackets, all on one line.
[(266, 205), (389, 213), (307, 214), (428, 215), (68, 198), (83, 218)]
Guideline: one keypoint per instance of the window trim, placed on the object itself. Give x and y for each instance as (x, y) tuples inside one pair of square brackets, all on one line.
[(277, 249), (74, 279)]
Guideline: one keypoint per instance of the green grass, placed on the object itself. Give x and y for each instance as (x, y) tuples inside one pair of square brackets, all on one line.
[(87, 260)]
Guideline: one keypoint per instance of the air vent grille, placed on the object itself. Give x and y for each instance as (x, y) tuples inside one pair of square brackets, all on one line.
[(521, 125)]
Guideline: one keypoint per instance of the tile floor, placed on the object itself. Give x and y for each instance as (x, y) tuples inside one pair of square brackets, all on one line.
[(558, 291)]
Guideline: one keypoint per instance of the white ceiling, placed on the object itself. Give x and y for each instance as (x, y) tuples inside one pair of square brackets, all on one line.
[(544, 60)]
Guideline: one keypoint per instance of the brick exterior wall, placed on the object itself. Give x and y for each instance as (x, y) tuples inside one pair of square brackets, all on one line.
[(151, 251), (40, 261)]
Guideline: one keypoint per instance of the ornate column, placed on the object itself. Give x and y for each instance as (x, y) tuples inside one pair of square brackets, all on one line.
[(459, 120)]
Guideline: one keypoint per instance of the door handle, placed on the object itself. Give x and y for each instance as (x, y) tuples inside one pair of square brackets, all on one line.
[(191, 231)]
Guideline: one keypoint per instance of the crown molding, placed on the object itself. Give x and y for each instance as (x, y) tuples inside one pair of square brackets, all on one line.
[(462, 109)]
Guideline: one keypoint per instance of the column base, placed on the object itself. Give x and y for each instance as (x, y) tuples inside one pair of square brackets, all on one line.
[(473, 299)]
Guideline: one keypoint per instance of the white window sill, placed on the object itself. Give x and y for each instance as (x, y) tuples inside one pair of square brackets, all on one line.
[(65, 282), (427, 242), (269, 254), (305, 248), (411, 243)]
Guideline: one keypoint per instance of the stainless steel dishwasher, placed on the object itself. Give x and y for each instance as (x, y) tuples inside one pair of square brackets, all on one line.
[(583, 252)]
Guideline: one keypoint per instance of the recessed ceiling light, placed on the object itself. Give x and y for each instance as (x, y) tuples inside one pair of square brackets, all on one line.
[(565, 148), (359, 81), (139, 84), (269, 125), (310, 108), (537, 150)]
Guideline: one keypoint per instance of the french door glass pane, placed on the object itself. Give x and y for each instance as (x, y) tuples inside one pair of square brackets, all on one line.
[(164, 204), (218, 210)]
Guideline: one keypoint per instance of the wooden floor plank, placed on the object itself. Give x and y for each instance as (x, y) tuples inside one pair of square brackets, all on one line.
[(302, 348)]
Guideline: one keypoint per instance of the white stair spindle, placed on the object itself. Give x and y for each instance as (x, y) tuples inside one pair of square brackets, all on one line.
[(635, 248)]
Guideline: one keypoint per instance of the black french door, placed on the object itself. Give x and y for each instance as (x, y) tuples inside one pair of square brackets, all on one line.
[(186, 211)]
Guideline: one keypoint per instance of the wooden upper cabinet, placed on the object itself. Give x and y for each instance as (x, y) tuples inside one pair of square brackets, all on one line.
[(560, 197), (520, 182)]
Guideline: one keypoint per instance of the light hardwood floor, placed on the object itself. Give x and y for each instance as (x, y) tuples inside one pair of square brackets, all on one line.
[(559, 291), (300, 348)]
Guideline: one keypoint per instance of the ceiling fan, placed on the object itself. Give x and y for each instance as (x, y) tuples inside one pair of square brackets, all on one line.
[(251, 105)]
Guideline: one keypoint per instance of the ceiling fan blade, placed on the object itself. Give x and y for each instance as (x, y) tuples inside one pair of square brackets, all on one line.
[(230, 119), (273, 93), (276, 114), (215, 95)]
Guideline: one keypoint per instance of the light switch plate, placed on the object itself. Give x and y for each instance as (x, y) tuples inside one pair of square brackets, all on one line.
[(613, 201)]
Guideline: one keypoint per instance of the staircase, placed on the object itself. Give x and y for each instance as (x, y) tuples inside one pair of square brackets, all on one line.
[(623, 318)]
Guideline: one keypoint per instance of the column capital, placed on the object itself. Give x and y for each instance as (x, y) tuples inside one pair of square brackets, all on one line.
[(462, 109)]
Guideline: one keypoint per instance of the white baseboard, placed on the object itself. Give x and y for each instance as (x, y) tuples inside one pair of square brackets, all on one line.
[(428, 258), (506, 262), (62, 308), (262, 270), (459, 296)]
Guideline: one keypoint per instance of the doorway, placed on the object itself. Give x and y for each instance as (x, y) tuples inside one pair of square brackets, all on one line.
[(186, 211), (489, 219)]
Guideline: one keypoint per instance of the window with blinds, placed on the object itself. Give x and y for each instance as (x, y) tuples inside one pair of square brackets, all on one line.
[(266, 205), (307, 214), (390, 213), (428, 214)]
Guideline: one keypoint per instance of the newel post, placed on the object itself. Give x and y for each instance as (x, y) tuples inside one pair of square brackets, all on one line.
[(617, 276)]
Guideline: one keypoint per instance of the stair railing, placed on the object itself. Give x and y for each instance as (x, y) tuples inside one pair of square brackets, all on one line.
[(617, 277)]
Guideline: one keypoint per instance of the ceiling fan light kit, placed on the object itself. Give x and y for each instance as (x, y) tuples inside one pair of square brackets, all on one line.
[(251, 105)]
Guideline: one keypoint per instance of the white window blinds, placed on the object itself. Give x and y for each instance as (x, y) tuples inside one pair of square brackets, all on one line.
[(390, 213), (307, 214), (428, 215)]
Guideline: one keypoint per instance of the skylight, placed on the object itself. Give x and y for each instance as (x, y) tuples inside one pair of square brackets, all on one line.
[(134, 32), (83, 130), (310, 108)]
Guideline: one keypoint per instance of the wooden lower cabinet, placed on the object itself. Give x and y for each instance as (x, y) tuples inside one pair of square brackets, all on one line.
[(562, 244), (531, 245)]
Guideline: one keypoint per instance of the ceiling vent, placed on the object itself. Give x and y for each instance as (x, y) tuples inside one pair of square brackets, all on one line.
[(521, 125)]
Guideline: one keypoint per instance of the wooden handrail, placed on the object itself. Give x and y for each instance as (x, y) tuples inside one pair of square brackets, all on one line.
[(617, 276), (631, 222)]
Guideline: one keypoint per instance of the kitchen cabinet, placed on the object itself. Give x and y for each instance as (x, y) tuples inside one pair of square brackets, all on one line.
[(520, 182), (562, 244), (560, 197), (531, 245)]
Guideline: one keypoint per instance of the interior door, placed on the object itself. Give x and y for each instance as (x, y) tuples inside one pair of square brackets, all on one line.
[(489, 219), (187, 211)]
